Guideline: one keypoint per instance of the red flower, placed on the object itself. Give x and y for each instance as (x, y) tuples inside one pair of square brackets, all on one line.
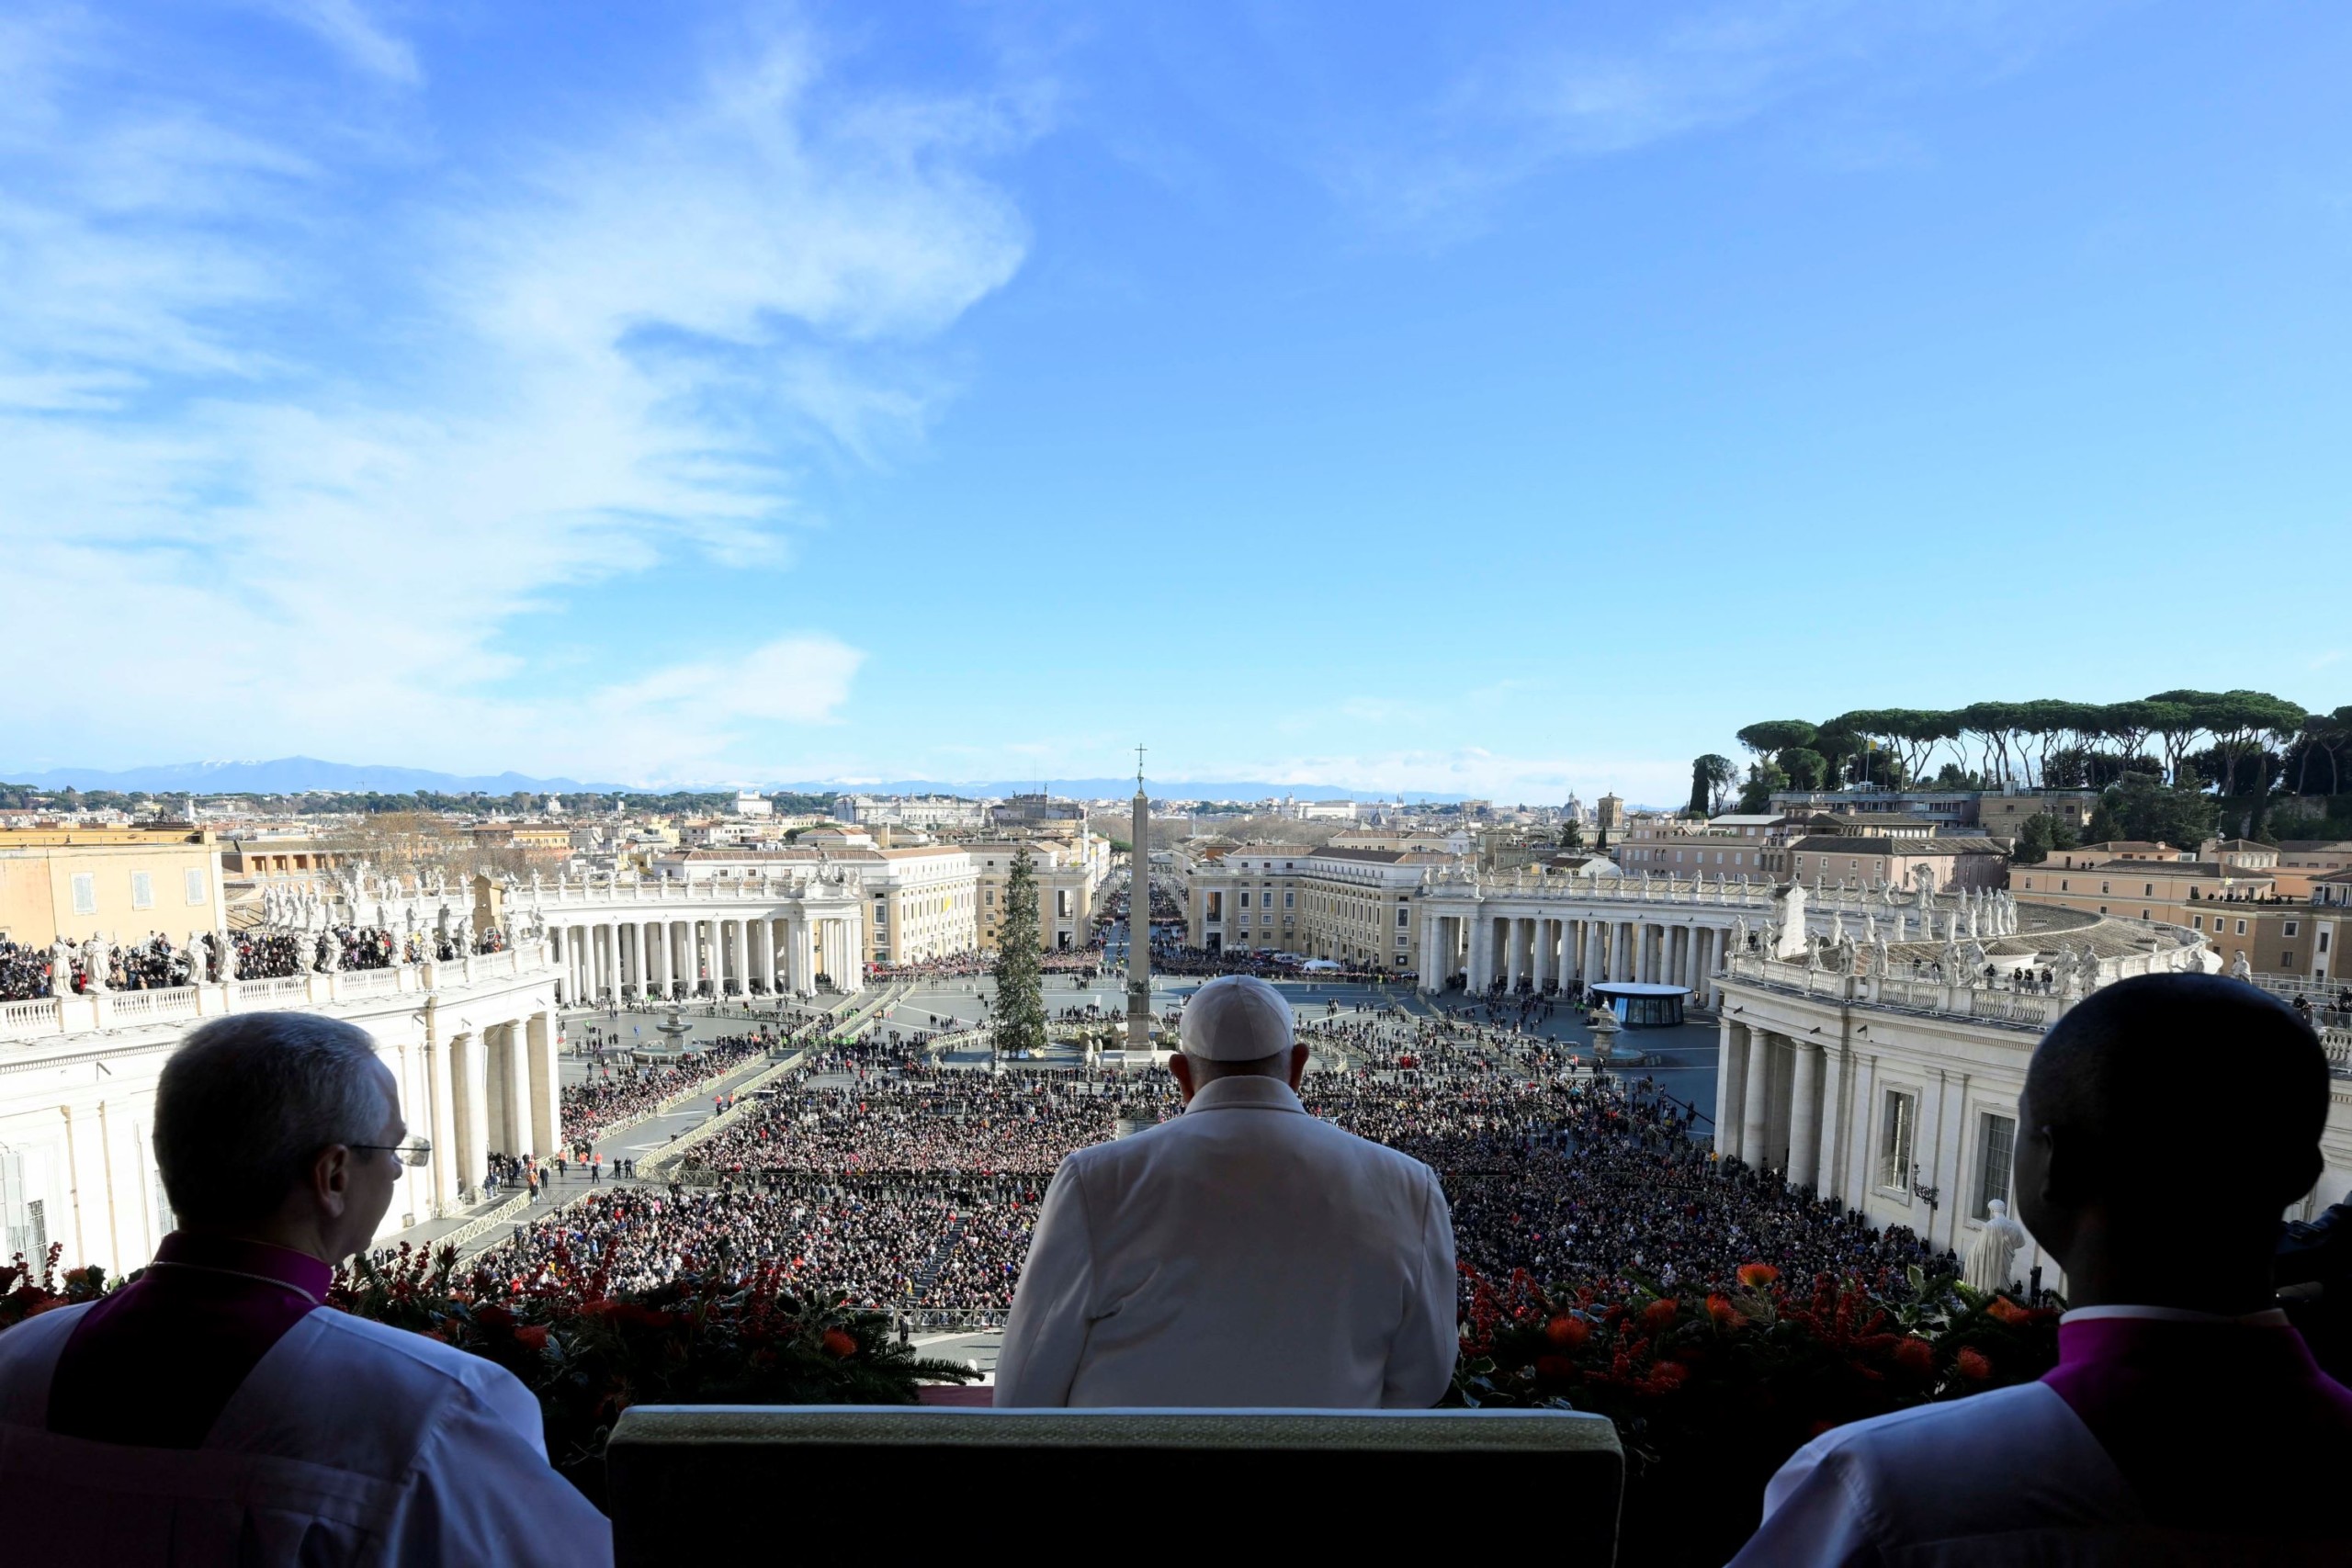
[(1556, 1369), (532, 1335), (1757, 1275), (1725, 1314), (1974, 1365), (2007, 1311), (838, 1343), (1567, 1332), (1659, 1316), (1914, 1354)]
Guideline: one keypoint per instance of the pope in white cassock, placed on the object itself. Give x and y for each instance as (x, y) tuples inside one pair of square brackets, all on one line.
[(1245, 1253), (215, 1410)]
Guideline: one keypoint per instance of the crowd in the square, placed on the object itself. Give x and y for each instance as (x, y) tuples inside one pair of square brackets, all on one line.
[(906, 1184)]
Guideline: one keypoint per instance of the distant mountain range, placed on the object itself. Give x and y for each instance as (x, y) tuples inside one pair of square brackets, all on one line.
[(294, 776)]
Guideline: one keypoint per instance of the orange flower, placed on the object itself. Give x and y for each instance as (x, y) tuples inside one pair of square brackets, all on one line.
[(1660, 1314), (2007, 1311), (1725, 1314), (1914, 1355), (1757, 1275), (838, 1343), (1567, 1332), (1974, 1365)]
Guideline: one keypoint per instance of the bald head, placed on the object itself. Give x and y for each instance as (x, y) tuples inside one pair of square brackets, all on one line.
[(2182, 1093)]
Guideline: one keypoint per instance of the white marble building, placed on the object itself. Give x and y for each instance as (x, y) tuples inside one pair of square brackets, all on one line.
[(471, 1041)]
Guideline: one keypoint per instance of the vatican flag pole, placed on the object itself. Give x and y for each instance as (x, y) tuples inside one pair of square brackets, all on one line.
[(1139, 924)]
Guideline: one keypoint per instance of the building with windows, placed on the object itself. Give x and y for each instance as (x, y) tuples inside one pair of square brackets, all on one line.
[(122, 883), (921, 903), (2132, 879), (1734, 845), (1876, 862), (1069, 873), (925, 811), (1350, 906)]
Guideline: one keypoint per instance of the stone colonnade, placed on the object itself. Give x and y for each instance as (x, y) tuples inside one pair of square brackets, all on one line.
[(611, 956), (488, 1089), (1769, 1091), (1539, 952)]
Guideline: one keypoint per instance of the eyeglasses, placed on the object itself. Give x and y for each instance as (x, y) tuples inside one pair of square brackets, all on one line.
[(416, 1151)]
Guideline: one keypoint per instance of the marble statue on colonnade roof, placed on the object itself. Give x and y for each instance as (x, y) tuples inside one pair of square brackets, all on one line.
[(2240, 969), (1739, 938), (1845, 956), (330, 952), (1991, 1255), (1869, 926), (194, 954), (62, 954), (1878, 962), (1836, 926), (224, 959), (96, 952)]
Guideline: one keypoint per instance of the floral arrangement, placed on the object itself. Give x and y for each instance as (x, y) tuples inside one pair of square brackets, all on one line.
[(1712, 1391)]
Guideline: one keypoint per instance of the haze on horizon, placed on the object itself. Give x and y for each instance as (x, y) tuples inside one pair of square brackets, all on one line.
[(1502, 402)]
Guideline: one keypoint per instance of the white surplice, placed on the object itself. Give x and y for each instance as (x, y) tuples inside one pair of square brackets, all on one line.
[(2011, 1477), (1245, 1253), (349, 1443)]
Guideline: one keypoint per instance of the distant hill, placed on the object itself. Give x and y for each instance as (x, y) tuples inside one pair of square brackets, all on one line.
[(289, 775), (294, 776)]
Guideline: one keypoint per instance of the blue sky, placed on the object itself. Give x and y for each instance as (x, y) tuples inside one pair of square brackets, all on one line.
[(1494, 399)]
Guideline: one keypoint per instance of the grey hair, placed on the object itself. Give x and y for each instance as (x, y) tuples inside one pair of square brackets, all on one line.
[(247, 1104)]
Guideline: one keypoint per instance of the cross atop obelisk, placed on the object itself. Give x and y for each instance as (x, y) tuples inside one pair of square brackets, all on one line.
[(1139, 922)]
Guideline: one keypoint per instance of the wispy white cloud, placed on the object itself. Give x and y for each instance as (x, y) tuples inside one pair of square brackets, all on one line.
[(277, 515), (347, 28), (1560, 92)]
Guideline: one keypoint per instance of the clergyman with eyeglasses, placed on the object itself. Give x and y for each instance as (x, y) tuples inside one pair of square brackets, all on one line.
[(214, 1410)]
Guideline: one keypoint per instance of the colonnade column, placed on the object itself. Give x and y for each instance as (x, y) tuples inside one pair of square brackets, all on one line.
[(1805, 1116), (796, 953), (1731, 1086), (471, 1110), (442, 1120), (1753, 1098), (546, 1092), (517, 1134)]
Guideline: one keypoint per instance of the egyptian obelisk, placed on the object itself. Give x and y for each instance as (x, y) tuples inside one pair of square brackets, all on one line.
[(1139, 922)]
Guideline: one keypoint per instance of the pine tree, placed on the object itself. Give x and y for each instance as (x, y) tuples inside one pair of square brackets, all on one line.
[(1020, 979)]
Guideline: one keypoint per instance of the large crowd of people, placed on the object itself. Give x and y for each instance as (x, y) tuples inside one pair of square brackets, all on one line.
[(911, 1186)]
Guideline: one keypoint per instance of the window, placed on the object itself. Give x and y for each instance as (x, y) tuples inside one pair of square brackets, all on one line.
[(1400, 939), (2323, 934), (142, 890), (2287, 958), (2197, 922), (195, 883), (1245, 901), (2288, 930), (2240, 932), (1403, 917), (1290, 899), (1897, 1122), (85, 893), (1996, 1155)]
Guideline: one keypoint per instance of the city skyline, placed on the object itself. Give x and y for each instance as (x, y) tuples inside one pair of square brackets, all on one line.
[(1502, 404)]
